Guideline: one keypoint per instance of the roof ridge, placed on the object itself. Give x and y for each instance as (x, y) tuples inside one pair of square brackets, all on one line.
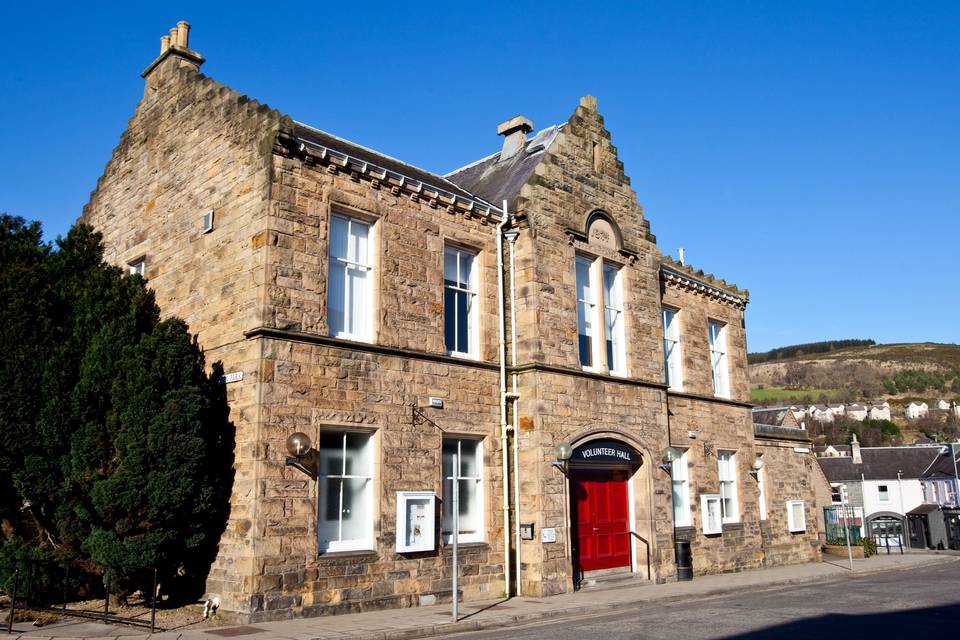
[(496, 153)]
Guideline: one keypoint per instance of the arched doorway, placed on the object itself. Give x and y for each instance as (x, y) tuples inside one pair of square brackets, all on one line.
[(887, 530), (601, 513)]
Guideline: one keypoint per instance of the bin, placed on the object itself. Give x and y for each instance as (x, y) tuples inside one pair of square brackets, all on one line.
[(684, 559)]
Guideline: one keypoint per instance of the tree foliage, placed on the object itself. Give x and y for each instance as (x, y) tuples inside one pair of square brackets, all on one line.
[(797, 350), (116, 448)]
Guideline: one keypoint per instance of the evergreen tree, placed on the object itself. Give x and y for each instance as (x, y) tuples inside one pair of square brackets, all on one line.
[(120, 450)]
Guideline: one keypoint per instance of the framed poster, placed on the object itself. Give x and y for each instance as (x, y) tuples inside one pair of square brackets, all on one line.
[(711, 518), (416, 518)]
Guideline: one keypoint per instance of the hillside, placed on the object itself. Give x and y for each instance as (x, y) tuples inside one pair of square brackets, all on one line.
[(888, 371)]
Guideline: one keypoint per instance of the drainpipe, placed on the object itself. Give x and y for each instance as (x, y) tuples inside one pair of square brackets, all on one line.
[(512, 237), (503, 404)]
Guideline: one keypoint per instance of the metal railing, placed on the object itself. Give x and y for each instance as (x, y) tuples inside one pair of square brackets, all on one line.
[(22, 588)]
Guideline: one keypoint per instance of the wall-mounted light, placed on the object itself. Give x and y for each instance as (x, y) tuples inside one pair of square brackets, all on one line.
[(667, 458), (564, 452), (756, 467), (302, 456)]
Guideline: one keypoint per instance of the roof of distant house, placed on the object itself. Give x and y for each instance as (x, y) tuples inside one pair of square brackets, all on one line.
[(942, 466), (880, 463)]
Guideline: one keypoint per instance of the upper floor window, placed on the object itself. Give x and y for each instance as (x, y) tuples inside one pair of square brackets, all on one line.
[(462, 463), (727, 471), (671, 349), (718, 358), (593, 277), (138, 267), (459, 301), (350, 281), (883, 493), (613, 314), (345, 491)]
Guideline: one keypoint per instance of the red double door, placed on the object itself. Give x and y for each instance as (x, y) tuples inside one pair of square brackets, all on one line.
[(602, 517)]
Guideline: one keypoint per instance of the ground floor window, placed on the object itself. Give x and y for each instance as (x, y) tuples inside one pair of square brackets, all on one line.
[(463, 463), (796, 516), (681, 492), (345, 488)]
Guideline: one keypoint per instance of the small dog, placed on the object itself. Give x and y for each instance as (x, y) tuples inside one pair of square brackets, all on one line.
[(210, 607)]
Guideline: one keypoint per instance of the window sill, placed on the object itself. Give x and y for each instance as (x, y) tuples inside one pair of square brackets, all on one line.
[(463, 356), (356, 553), (448, 546), (732, 525)]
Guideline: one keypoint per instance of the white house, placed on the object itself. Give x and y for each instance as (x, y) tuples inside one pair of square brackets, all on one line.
[(856, 412), (943, 404), (879, 411), (820, 413), (916, 410)]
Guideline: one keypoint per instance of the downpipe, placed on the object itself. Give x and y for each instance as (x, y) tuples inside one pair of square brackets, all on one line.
[(503, 403), (515, 396)]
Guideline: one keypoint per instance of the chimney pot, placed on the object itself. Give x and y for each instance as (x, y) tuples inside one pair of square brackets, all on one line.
[(514, 132), (164, 43), (174, 40), (183, 34)]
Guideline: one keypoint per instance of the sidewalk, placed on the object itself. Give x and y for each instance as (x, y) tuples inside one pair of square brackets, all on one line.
[(419, 622)]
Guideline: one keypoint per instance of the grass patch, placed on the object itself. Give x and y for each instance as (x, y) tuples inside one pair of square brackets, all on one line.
[(771, 394)]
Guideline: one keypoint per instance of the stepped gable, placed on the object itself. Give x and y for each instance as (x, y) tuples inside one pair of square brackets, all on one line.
[(496, 181), (675, 271)]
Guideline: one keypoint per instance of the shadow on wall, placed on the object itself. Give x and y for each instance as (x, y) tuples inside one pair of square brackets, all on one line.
[(930, 621)]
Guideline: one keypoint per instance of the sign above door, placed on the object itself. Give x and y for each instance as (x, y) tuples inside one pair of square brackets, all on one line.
[(605, 451)]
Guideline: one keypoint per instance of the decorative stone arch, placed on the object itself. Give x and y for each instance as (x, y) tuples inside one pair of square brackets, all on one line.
[(600, 228)]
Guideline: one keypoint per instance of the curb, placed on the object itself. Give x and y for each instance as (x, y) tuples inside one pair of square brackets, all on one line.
[(465, 626)]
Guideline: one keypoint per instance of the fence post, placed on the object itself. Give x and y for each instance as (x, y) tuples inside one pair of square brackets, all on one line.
[(13, 599), (153, 601), (106, 595)]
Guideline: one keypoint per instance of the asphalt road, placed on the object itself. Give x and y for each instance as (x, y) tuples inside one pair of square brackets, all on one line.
[(917, 603)]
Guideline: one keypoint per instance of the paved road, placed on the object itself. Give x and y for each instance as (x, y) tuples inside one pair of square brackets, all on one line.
[(900, 604)]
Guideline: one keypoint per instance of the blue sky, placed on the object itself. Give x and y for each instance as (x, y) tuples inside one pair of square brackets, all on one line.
[(809, 151)]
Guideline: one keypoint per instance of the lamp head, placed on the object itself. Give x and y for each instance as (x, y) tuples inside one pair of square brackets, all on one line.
[(564, 451), (758, 464), (298, 444), (670, 454)]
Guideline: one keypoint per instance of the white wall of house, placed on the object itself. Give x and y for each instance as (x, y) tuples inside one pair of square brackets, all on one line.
[(879, 413), (901, 496), (916, 410)]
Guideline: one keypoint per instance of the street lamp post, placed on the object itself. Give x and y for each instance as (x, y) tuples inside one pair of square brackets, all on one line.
[(846, 522)]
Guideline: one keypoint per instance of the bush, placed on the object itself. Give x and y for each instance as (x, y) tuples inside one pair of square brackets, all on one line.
[(869, 547)]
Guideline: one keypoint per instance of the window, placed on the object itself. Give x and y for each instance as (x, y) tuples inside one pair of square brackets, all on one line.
[(349, 290), (345, 487), (762, 492), (586, 312), (883, 494), (796, 516), (606, 278), (727, 469), (710, 517), (681, 492), (459, 302), (671, 349), (835, 493), (138, 267), (613, 314), (462, 460), (718, 358)]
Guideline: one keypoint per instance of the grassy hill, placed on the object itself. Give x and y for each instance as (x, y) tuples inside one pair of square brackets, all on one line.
[(868, 371)]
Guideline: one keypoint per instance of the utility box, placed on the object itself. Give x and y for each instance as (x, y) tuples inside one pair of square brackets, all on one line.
[(416, 515)]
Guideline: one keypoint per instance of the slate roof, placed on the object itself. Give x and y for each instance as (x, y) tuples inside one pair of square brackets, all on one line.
[(880, 463), (923, 509), (496, 181), (316, 137), (942, 466)]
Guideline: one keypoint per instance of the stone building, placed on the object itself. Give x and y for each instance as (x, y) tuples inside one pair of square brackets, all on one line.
[(421, 330)]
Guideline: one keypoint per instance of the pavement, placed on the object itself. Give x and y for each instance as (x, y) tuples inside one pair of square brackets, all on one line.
[(436, 620)]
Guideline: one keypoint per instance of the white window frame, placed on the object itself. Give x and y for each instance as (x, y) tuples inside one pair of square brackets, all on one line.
[(727, 474), (364, 264), (716, 526), (593, 313), (138, 267), (473, 333), (719, 365), (613, 332), (792, 525), (836, 488), (883, 493), (680, 484), (672, 360), (353, 544), (478, 535), (762, 492)]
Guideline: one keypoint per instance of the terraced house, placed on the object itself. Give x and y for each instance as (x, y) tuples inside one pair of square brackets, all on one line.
[(510, 328)]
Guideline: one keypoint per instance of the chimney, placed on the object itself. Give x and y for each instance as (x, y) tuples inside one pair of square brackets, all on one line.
[(175, 45), (514, 132), (682, 260), (855, 450)]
